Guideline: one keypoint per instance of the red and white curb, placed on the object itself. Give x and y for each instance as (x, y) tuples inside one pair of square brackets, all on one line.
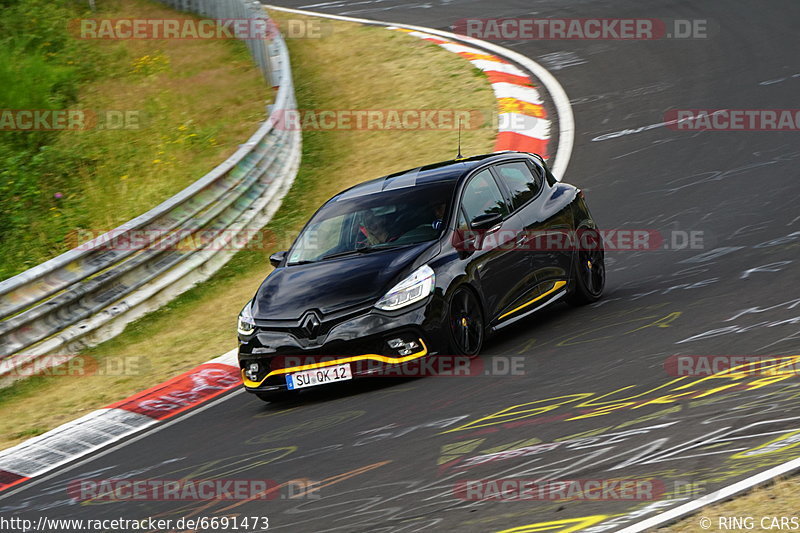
[(118, 421), (522, 118), (509, 73)]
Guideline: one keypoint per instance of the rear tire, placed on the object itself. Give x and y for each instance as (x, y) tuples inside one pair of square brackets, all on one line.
[(466, 323), (588, 274)]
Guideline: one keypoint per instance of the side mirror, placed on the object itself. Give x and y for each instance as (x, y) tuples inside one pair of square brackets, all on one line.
[(277, 258), (486, 221)]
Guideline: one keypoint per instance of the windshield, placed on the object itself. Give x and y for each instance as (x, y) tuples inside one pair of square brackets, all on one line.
[(351, 224)]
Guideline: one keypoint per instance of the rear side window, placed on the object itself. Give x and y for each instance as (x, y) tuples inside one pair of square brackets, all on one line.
[(482, 196), (520, 182)]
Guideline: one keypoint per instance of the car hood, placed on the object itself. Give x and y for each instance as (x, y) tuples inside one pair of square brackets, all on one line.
[(332, 285)]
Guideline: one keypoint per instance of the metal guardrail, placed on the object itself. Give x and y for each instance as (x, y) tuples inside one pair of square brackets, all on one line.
[(89, 293)]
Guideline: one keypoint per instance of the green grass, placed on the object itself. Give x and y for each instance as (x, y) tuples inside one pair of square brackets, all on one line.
[(196, 100), (37, 71)]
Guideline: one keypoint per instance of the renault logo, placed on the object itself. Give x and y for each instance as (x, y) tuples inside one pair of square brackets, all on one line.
[(310, 323)]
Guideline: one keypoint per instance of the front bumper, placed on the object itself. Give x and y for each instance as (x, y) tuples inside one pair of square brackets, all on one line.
[(360, 341)]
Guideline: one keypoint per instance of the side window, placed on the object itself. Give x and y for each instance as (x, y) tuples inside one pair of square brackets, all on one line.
[(461, 224), (482, 196), (462, 233), (542, 168), (520, 182)]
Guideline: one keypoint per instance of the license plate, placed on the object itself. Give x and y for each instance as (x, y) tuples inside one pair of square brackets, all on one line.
[(318, 376)]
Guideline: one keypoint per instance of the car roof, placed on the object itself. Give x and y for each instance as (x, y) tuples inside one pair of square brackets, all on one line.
[(445, 171)]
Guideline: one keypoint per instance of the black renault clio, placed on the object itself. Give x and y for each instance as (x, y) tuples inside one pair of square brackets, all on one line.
[(418, 264)]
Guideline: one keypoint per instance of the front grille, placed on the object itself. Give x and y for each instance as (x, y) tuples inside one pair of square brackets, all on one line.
[(296, 328)]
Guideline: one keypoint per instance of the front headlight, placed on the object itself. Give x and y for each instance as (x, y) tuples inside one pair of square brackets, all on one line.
[(414, 288), (246, 325)]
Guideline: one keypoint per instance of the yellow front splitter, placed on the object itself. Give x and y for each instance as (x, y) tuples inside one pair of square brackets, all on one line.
[(366, 357)]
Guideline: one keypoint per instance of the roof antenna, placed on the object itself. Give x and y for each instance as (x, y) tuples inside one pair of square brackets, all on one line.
[(459, 156)]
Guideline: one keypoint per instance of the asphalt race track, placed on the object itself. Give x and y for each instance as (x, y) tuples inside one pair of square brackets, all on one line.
[(593, 395)]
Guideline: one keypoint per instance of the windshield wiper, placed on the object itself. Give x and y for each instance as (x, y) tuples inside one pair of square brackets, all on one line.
[(359, 251)]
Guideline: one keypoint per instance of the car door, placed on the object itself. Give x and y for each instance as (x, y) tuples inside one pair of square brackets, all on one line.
[(546, 246), (503, 272)]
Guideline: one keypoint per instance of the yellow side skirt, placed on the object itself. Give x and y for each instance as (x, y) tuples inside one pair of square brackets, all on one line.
[(557, 286)]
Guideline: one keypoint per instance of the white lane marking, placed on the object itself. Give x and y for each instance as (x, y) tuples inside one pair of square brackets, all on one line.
[(461, 49), (779, 80), (566, 120), (640, 129), (422, 35), (559, 60), (721, 494), (146, 432)]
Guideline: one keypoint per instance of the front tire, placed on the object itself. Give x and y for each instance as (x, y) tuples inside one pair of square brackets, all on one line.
[(588, 274), (466, 323)]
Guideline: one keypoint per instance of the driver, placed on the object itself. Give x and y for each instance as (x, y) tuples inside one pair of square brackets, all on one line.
[(438, 215), (374, 229)]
